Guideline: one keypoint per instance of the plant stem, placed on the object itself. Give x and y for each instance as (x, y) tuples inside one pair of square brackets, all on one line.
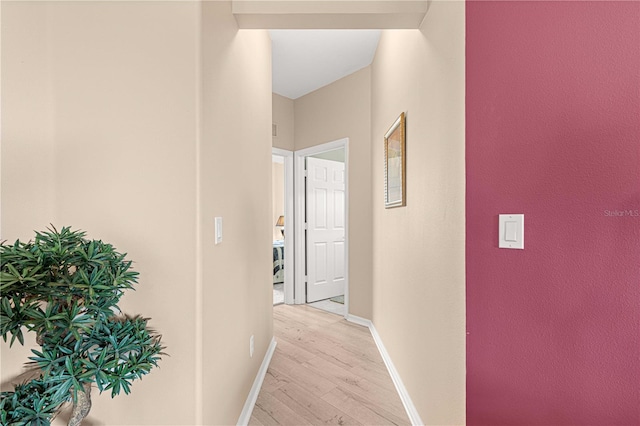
[(81, 406)]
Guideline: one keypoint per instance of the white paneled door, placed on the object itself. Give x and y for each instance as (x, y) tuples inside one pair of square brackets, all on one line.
[(326, 255)]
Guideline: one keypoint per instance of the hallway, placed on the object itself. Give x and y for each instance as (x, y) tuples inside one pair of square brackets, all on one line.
[(325, 370)]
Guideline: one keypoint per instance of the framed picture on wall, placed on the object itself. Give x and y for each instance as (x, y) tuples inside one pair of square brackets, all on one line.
[(394, 164)]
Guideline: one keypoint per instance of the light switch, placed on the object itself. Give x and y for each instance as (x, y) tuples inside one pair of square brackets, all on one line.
[(218, 230), (511, 230)]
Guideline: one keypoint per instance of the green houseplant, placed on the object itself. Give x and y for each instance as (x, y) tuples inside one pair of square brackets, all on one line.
[(65, 289)]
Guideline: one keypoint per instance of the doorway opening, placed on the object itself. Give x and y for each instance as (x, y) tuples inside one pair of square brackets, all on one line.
[(282, 222), (321, 227)]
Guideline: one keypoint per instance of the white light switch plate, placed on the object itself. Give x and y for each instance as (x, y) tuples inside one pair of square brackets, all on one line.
[(218, 230), (511, 231)]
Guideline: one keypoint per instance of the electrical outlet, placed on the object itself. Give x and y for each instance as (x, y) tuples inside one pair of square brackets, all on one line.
[(251, 346)]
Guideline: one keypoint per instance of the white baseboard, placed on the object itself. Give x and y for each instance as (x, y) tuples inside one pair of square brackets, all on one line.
[(245, 415), (358, 320), (411, 410)]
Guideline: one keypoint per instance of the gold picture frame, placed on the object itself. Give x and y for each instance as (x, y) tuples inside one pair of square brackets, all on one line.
[(395, 165)]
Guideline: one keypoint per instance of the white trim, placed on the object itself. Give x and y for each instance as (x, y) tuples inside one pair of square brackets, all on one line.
[(299, 200), (281, 152), (411, 410), (346, 226), (298, 186), (250, 403), (318, 149), (289, 228), (359, 320)]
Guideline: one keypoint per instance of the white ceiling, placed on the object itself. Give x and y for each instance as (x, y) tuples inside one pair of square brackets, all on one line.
[(306, 60)]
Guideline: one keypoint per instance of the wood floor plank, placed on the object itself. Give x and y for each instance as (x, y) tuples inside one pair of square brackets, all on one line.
[(318, 346), (294, 352), (362, 409), (292, 372), (385, 398), (313, 409), (311, 317), (270, 411), (253, 421), (273, 379), (374, 375), (325, 370), (362, 347), (347, 354)]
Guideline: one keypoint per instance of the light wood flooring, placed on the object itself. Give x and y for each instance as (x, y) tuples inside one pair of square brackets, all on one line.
[(325, 370)]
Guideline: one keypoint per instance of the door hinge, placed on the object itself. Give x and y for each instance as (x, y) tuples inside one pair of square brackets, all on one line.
[(306, 278), (306, 226), (306, 173)]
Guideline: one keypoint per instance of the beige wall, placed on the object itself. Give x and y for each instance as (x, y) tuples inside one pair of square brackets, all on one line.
[(283, 117), (125, 134), (340, 110), (235, 166), (109, 113), (419, 269), (27, 156), (114, 111), (26, 99), (277, 179)]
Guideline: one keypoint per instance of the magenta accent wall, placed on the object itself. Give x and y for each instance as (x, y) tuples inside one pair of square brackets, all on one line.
[(553, 131)]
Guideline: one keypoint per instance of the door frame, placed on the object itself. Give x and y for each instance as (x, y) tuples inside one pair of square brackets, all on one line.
[(299, 203), (289, 240)]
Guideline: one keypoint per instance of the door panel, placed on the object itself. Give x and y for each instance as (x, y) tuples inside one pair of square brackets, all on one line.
[(320, 250), (338, 210), (320, 195), (326, 256)]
